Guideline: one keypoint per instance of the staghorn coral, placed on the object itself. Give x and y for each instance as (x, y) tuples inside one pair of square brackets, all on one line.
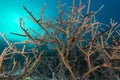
[(15, 62), (81, 43)]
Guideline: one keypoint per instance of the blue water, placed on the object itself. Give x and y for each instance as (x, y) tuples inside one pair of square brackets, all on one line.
[(11, 11)]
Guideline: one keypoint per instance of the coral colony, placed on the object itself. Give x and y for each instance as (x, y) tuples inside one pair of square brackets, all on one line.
[(73, 47)]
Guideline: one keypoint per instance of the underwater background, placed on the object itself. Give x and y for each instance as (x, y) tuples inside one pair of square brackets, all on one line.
[(11, 11)]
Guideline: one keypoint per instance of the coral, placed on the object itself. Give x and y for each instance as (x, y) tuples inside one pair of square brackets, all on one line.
[(81, 46)]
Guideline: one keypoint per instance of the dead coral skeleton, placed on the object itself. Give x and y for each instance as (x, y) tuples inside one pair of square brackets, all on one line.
[(16, 69), (66, 34)]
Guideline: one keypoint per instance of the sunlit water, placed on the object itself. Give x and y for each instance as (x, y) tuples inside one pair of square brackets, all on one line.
[(11, 11)]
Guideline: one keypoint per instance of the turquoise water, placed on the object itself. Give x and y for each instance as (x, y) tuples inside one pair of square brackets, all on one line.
[(11, 11)]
